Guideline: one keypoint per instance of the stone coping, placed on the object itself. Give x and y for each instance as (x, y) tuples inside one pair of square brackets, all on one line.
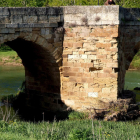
[(94, 15)]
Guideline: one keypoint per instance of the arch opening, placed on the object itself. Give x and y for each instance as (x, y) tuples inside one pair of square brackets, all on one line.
[(129, 73), (132, 79), (42, 76)]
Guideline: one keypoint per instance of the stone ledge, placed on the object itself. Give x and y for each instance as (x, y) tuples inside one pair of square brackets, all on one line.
[(29, 25), (31, 11)]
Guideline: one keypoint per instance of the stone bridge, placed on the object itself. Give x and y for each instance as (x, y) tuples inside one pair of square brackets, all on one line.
[(74, 56)]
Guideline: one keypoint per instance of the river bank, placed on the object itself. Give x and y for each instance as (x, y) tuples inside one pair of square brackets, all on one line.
[(135, 64), (10, 58)]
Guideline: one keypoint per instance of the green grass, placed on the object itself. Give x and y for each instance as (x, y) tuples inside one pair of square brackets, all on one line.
[(135, 64), (69, 130), (7, 54), (9, 57)]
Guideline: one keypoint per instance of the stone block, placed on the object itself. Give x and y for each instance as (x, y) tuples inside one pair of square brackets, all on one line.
[(30, 11), (107, 70), (83, 56), (54, 10), (4, 19), (25, 29), (10, 31), (4, 11), (41, 10), (29, 19), (70, 34), (75, 10), (106, 90), (2, 25), (43, 19), (54, 19), (16, 18), (4, 30), (77, 44), (93, 57), (101, 56), (69, 102), (103, 75), (44, 31), (34, 37), (17, 11), (103, 45), (67, 44)]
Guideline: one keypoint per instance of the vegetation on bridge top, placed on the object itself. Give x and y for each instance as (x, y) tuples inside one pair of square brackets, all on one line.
[(42, 3)]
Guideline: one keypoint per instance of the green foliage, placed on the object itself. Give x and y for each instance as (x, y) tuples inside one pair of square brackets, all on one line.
[(136, 61), (5, 48), (83, 134), (128, 3), (72, 2), (40, 3), (77, 115), (19, 3), (69, 130)]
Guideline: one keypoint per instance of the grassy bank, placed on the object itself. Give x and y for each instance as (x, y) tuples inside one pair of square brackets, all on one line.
[(69, 130), (9, 58), (135, 64)]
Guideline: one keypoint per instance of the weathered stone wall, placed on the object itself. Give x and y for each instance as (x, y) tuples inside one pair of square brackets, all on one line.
[(90, 56)]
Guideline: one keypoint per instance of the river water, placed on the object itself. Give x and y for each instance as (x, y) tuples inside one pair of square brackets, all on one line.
[(11, 78)]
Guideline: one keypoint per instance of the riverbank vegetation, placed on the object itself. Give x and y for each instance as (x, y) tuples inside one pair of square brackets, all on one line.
[(69, 130), (9, 56), (43, 3), (135, 64)]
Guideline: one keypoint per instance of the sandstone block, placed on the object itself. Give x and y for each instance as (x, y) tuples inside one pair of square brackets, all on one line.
[(78, 45), (106, 90), (69, 102), (102, 75), (92, 57), (83, 56), (70, 34), (103, 45), (70, 74), (107, 70), (67, 44)]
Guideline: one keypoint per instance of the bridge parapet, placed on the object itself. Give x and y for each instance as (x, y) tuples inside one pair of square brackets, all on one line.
[(30, 17)]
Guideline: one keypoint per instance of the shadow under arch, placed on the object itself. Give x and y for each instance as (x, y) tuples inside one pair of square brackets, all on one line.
[(125, 60), (42, 62)]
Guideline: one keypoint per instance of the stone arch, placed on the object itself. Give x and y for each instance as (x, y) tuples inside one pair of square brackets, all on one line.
[(42, 60)]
